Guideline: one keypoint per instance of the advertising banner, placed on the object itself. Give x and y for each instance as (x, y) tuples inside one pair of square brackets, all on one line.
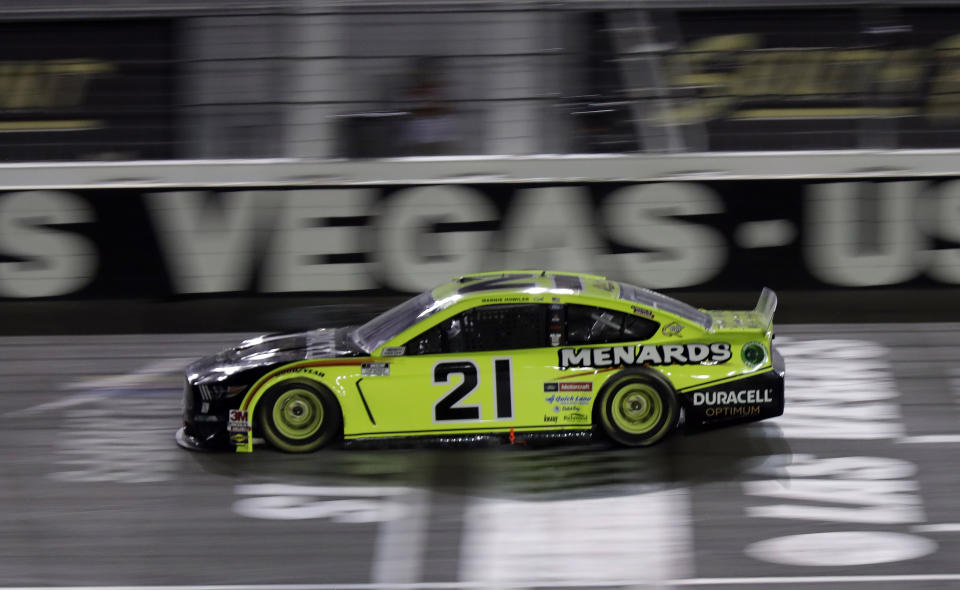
[(92, 90), (402, 238), (812, 78)]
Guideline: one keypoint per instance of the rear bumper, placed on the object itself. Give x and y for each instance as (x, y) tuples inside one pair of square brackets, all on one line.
[(756, 397)]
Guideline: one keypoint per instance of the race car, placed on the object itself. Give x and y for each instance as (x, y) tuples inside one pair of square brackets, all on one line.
[(510, 355)]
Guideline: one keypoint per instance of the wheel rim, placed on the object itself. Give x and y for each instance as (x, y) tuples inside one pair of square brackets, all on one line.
[(636, 408), (298, 414)]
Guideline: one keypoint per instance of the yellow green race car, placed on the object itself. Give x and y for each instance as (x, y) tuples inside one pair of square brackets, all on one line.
[(514, 355)]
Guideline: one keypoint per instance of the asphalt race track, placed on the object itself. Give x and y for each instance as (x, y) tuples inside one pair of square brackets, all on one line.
[(855, 487)]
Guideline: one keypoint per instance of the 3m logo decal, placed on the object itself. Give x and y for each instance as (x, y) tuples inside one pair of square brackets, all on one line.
[(239, 422)]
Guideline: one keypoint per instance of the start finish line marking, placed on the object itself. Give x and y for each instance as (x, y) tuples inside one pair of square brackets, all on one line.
[(866, 579)]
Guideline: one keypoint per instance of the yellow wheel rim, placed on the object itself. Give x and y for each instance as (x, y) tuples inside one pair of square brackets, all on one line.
[(297, 414), (636, 409)]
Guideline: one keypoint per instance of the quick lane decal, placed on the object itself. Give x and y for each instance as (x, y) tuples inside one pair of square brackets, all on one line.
[(648, 354)]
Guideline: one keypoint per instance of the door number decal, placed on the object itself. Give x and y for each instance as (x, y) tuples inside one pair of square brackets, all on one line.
[(448, 408)]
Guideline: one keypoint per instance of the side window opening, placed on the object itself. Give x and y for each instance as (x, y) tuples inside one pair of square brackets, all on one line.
[(635, 328), (493, 327), (430, 342), (507, 327), (596, 325)]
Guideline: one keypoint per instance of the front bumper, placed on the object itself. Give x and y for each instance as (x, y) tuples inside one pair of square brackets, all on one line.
[(205, 420), (752, 398), (188, 441)]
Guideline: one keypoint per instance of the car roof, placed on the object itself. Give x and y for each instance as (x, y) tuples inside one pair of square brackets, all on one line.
[(528, 282), (486, 287)]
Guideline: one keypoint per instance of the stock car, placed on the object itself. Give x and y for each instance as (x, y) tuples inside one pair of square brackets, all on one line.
[(511, 355)]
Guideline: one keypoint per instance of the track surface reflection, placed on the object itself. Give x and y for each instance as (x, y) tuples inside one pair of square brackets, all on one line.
[(855, 484)]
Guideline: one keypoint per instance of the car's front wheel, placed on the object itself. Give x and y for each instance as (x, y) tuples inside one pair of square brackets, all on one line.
[(638, 408), (299, 416)]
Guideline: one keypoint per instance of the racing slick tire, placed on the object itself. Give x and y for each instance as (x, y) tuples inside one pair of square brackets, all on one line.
[(638, 408), (299, 416)]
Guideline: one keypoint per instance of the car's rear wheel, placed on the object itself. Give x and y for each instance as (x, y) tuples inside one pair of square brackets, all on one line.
[(638, 408), (299, 416)]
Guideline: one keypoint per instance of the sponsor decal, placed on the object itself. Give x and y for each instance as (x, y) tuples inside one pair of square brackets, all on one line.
[(550, 419), (642, 311), (578, 400), (732, 411), (563, 386), (375, 370), (205, 408), (555, 339), (646, 354), (673, 329), (575, 417), (301, 370), (730, 398), (393, 351), (239, 422), (239, 438)]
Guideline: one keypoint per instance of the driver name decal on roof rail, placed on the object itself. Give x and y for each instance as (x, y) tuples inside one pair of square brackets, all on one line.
[(647, 354)]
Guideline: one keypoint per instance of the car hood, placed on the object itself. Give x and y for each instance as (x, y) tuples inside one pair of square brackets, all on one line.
[(271, 350)]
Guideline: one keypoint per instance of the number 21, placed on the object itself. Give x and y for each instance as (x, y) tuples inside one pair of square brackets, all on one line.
[(447, 408)]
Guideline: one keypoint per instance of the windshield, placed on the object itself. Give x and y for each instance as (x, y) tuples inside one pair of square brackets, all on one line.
[(395, 320), (669, 304)]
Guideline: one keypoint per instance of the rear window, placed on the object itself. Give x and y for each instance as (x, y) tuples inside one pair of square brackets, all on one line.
[(668, 304), (597, 325)]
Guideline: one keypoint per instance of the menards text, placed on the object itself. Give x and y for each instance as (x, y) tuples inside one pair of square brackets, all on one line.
[(649, 354)]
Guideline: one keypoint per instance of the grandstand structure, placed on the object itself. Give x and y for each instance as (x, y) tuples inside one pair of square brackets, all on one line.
[(317, 79)]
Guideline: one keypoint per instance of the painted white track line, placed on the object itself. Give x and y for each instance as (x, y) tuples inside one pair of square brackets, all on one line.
[(519, 544), (949, 527), (769, 580), (930, 439)]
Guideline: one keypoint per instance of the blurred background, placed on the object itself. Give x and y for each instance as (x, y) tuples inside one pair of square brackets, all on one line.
[(247, 157), (123, 80)]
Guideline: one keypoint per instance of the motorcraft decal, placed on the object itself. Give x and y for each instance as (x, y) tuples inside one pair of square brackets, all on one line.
[(566, 386), (646, 354)]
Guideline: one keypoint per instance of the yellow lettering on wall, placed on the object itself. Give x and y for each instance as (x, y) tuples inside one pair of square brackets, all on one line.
[(47, 84)]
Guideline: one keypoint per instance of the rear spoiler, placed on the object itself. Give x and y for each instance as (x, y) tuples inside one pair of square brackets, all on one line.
[(766, 305)]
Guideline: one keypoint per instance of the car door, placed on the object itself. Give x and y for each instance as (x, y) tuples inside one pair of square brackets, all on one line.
[(480, 370)]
